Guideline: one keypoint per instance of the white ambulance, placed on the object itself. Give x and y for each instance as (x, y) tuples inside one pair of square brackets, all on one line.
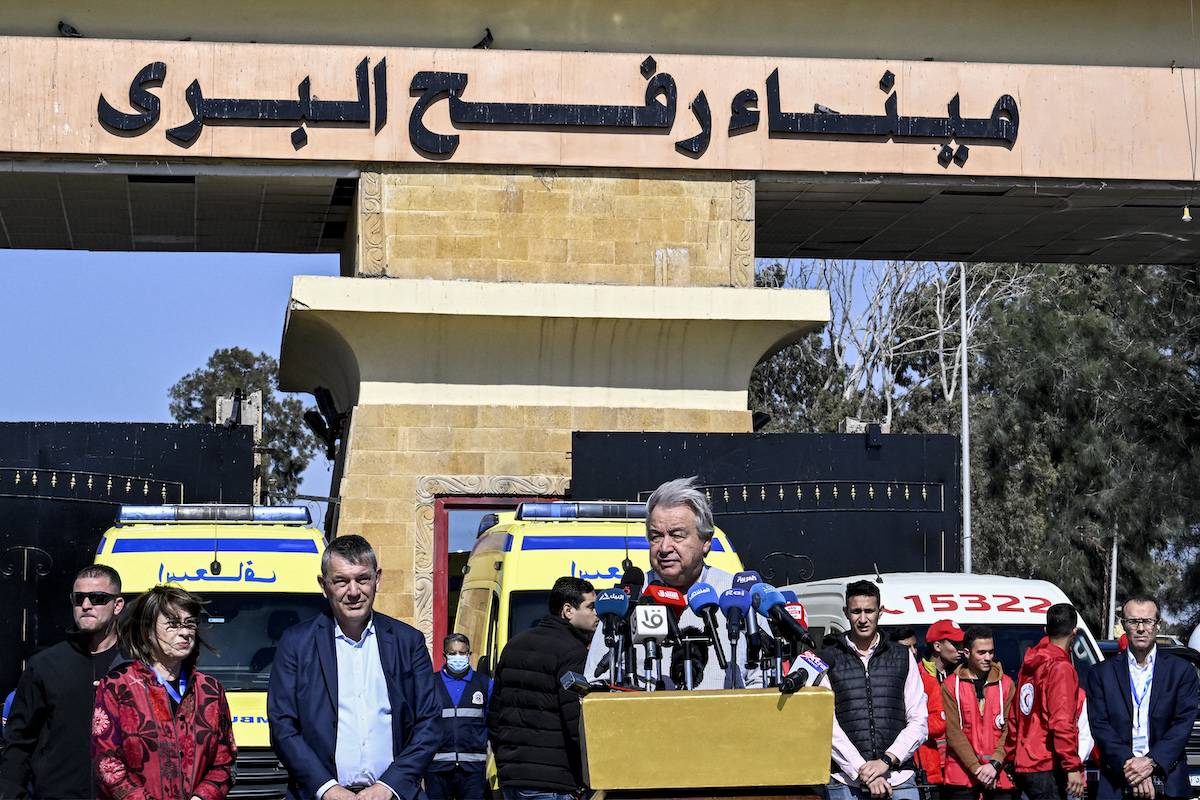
[(1014, 608)]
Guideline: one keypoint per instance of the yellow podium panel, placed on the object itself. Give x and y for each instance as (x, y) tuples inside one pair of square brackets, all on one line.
[(707, 739)]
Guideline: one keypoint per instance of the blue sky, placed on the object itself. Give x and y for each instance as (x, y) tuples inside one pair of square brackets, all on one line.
[(103, 336)]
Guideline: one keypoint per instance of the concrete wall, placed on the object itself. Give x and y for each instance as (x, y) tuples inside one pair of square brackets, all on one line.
[(1105, 32)]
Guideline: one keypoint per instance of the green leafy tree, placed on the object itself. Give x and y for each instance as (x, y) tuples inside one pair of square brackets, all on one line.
[(1089, 431), (1084, 400), (291, 446)]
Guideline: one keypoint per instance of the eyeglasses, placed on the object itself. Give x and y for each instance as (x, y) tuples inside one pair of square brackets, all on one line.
[(95, 598), (1140, 623), (175, 624)]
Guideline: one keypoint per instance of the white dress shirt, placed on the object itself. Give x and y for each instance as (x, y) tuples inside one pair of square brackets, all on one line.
[(364, 719), (1141, 681)]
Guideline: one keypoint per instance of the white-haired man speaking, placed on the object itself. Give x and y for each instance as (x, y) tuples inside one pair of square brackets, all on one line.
[(679, 528)]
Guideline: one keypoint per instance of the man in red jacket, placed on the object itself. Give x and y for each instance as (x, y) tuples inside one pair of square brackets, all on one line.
[(978, 699), (929, 755), (1044, 748)]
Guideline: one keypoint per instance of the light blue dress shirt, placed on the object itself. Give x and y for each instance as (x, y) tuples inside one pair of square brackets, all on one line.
[(1141, 681), (364, 724)]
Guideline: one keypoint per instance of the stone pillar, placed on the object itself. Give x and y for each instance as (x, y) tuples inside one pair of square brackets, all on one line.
[(648, 228), (468, 372)]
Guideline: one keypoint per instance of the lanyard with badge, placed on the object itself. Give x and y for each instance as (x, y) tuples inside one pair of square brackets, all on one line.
[(1141, 739), (176, 695)]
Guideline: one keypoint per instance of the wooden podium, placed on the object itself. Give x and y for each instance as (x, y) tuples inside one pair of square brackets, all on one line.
[(734, 744)]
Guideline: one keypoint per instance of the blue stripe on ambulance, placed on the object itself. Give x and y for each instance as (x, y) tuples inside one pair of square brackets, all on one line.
[(593, 543), (206, 545)]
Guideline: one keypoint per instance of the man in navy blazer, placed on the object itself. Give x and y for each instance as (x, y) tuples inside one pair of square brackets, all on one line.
[(352, 702), (1141, 706)]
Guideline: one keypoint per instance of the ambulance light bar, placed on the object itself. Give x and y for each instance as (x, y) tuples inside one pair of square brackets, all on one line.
[(212, 512), (587, 510)]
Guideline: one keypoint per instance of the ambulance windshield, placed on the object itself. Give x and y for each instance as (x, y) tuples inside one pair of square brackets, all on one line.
[(244, 630)]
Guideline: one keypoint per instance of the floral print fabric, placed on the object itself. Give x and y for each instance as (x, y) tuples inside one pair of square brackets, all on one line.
[(141, 751)]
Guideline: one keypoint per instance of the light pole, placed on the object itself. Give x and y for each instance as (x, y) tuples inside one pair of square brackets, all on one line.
[(966, 420)]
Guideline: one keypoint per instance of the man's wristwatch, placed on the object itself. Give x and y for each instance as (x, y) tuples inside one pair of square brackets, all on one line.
[(892, 762)]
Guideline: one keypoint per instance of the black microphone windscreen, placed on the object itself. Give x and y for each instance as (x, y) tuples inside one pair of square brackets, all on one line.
[(699, 655), (635, 578)]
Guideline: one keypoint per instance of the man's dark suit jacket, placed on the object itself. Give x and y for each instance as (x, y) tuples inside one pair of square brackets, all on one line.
[(1174, 695), (302, 705)]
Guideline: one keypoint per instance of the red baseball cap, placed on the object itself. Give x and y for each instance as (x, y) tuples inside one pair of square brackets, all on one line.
[(943, 629)]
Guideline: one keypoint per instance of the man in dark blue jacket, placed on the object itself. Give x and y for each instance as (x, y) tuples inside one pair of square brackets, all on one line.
[(457, 771), (1141, 706), (352, 702)]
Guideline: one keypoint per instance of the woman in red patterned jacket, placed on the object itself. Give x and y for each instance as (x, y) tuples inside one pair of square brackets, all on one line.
[(161, 729)]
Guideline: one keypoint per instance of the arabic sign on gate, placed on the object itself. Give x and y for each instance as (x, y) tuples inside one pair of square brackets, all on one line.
[(353, 105), (657, 112)]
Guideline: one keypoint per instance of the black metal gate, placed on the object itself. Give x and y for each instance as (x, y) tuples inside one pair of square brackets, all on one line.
[(60, 486), (799, 506)]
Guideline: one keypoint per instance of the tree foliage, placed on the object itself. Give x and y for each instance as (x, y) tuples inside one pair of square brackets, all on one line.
[(290, 445), (1085, 406)]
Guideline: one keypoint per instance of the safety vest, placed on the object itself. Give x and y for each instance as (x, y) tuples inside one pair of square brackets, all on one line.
[(982, 727), (464, 727)]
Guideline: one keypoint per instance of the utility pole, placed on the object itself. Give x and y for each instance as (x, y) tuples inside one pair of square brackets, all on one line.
[(1112, 589), (966, 420)]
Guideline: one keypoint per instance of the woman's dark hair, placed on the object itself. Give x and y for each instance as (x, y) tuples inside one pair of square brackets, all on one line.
[(136, 631)]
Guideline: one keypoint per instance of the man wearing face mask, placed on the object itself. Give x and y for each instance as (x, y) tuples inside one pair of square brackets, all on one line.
[(457, 770)]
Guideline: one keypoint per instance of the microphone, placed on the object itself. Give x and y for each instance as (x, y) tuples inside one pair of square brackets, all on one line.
[(746, 579), (797, 611), (632, 581), (734, 604), (688, 662), (789, 596), (770, 603), (806, 671), (702, 599), (673, 600), (649, 626), (755, 590), (578, 684), (631, 584), (611, 605)]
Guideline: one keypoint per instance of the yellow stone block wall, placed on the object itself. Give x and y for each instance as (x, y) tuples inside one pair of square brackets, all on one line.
[(391, 447), (656, 228), (557, 226)]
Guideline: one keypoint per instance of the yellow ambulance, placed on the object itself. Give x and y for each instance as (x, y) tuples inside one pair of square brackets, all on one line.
[(518, 556), (257, 567)]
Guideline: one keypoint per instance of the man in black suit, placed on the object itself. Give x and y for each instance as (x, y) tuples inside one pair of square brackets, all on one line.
[(352, 703), (1141, 706)]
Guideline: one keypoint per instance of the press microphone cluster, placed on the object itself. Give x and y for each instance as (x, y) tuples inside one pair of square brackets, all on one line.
[(773, 623)]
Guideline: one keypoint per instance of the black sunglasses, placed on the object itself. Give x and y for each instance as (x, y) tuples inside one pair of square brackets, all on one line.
[(95, 598)]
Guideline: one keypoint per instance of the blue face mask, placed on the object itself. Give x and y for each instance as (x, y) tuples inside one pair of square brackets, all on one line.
[(458, 663)]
